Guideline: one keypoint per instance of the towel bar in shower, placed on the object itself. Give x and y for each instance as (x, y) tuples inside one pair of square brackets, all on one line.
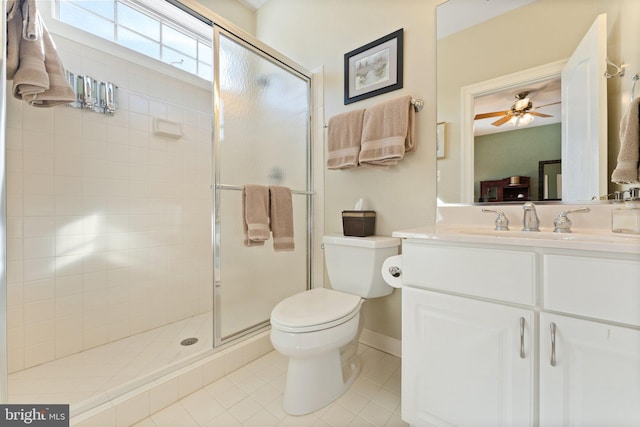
[(239, 187)]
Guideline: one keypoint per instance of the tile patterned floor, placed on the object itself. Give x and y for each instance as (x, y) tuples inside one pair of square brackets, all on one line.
[(252, 397)]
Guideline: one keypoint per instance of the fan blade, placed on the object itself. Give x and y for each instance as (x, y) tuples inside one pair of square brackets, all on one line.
[(535, 113), (487, 115), (546, 105), (502, 121)]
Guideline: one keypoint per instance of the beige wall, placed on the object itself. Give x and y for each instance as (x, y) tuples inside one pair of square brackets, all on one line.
[(318, 33), (231, 10)]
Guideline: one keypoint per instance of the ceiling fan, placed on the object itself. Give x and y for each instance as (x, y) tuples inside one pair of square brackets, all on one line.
[(521, 113)]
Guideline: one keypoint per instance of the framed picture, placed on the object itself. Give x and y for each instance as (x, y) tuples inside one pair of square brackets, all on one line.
[(440, 134), (374, 68)]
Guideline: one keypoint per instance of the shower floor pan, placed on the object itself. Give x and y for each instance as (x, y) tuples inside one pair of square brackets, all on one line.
[(96, 375)]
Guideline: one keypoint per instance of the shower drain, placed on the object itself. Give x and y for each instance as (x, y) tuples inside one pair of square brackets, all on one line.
[(189, 341)]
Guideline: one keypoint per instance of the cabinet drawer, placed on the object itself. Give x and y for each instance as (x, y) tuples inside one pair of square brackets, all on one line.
[(602, 288), (507, 275)]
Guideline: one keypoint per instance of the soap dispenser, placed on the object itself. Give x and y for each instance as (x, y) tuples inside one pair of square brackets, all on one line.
[(626, 219)]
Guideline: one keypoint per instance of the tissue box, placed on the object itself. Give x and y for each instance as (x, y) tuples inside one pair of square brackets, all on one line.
[(358, 223)]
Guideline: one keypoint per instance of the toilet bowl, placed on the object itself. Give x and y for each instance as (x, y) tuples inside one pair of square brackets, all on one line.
[(318, 329)]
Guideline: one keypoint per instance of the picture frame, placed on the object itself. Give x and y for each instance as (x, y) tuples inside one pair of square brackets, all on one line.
[(374, 68), (440, 140)]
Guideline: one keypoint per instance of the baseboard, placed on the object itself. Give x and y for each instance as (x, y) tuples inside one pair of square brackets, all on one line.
[(381, 342)]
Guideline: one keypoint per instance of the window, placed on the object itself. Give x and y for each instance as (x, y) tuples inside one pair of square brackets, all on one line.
[(151, 27)]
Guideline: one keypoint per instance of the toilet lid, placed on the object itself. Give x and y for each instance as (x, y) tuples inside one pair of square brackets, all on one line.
[(313, 308)]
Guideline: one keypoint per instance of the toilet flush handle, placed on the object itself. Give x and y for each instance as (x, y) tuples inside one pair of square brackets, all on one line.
[(395, 271)]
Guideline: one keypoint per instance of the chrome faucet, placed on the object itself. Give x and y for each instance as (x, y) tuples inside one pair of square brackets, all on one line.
[(502, 222), (562, 223), (530, 221)]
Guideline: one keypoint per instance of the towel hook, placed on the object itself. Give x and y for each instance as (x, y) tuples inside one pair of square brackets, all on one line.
[(634, 79), (620, 69)]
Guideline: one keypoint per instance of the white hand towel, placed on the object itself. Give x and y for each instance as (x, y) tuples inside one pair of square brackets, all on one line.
[(626, 171)]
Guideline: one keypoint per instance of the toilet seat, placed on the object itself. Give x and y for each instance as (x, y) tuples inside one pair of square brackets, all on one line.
[(314, 310)]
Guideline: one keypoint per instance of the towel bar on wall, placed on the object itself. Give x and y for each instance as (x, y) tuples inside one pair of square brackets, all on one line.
[(239, 187), (417, 105)]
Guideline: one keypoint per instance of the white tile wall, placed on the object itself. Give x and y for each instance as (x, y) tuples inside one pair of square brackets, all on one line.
[(108, 224)]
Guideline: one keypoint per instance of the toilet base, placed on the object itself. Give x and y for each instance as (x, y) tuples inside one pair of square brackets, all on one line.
[(314, 382)]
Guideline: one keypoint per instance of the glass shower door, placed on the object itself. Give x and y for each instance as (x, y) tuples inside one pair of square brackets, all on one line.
[(262, 137)]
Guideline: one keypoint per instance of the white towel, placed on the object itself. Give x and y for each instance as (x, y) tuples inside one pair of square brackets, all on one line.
[(627, 170), (387, 133)]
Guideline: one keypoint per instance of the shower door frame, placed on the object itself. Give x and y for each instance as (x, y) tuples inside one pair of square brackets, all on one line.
[(4, 353), (298, 71)]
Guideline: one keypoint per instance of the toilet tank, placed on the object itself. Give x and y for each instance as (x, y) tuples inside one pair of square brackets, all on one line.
[(354, 263)]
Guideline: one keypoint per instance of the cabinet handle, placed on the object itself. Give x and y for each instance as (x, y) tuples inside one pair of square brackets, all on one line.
[(553, 344), (522, 338)]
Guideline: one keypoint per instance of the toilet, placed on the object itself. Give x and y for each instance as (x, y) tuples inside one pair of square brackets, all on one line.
[(318, 329)]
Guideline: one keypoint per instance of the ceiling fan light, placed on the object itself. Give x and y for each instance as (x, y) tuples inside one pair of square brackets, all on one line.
[(525, 119)]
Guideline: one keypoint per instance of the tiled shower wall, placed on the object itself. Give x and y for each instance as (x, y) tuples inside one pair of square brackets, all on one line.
[(109, 225)]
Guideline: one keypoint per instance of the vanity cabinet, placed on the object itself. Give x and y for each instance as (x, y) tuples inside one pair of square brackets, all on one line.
[(466, 362), (482, 322), (594, 378)]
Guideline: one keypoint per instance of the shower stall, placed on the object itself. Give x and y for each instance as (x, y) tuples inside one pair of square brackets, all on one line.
[(124, 234)]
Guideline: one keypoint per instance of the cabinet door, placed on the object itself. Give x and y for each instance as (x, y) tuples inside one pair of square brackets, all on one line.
[(596, 377), (462, 363)]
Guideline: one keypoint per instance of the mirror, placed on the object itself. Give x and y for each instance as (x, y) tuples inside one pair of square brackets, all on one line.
[(534, 35), (550, 180)]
